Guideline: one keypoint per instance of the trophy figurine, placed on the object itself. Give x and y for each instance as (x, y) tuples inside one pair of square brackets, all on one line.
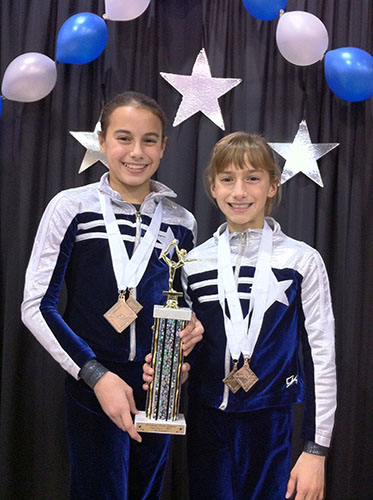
[(161, 414)]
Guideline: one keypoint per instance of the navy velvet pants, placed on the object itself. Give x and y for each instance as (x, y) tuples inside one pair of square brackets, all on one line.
[(105, 464), (238, 456)]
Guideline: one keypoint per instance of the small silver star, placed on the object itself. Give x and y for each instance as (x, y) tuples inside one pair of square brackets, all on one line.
[(301, 155), (90, 141), (200, 91)]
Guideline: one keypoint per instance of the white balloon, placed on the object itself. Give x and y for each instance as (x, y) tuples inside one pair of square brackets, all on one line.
[(29, 77), (125, 10), (301, 38)]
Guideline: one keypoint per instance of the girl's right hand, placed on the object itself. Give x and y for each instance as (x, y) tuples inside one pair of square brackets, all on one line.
[(116, 399)]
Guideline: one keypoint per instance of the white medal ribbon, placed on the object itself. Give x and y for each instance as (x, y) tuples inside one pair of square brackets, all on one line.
[(239, 339), (129, 271)]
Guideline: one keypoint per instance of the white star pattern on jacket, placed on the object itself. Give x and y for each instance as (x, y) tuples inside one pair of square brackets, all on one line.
[(276, 291)]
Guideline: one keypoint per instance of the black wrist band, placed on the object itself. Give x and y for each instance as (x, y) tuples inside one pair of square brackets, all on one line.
[(91, 372), (315, 449)]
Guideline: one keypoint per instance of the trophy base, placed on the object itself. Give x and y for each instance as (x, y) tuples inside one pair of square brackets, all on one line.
[(144, 424)]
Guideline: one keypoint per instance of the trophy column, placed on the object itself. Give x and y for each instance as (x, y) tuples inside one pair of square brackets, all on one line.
[(163, 398)]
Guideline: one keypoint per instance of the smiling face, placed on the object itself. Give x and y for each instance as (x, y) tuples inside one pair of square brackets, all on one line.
[(242, 195), (134, 145)]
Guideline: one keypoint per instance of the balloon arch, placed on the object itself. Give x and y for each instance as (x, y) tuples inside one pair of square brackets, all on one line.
[(301, 37)]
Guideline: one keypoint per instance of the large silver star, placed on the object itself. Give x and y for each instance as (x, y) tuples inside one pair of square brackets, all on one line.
[(200, 91), (90, 141), (301, 155)]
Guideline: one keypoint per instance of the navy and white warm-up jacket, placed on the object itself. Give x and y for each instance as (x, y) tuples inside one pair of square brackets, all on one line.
[(71, 245), (298, 314)]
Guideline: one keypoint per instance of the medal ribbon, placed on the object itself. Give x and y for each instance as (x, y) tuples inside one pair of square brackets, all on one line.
[(129, 271), (239, 339)]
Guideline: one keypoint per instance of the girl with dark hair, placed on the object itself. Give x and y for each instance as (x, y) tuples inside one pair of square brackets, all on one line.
[(104, 240)]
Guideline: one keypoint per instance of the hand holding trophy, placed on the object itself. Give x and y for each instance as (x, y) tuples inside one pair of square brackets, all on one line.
[(163, 398)]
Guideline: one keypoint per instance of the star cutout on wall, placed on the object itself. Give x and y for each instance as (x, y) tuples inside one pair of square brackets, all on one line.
[(301, 155), (200, 91), (90, 141)]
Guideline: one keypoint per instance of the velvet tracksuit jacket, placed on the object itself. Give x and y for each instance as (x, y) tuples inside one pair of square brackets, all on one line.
[(298, 317)]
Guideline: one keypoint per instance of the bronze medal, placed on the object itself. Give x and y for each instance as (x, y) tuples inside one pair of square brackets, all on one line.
[(121, 315), (230, 380), (245, 377), (133, 303)]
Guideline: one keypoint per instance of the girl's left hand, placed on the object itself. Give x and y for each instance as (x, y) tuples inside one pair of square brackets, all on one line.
[(148, 372), (191, 335)]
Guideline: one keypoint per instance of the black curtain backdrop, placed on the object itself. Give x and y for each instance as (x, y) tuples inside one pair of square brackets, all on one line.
[(39, 158)]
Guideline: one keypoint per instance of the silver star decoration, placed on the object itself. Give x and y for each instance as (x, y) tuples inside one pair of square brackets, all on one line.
[(90, 141), (301, 155), (200, 91)]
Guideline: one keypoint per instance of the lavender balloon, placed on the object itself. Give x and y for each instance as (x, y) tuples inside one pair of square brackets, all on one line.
[(125, 10), (29, 77), (301, 38)]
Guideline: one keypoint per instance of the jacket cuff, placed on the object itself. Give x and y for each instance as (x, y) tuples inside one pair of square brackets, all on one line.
[(315, 449), (91, 372)]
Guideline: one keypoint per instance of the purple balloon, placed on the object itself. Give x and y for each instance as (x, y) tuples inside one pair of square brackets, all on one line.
[(266, 10), (29, 77), (81, 39), (349, 73)]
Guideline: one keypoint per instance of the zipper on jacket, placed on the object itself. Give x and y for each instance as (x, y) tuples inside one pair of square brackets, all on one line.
[(132, 354), (227, 362)]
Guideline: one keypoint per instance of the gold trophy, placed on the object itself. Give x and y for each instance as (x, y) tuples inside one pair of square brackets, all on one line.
[(161, 414)]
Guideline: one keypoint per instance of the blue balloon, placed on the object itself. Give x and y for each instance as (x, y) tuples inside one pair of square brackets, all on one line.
[(81, 39), (266, 10), (1, 104), (349, 73)]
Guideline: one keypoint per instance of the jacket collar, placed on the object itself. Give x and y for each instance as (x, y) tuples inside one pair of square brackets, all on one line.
[(253, 233), (158, 191)]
